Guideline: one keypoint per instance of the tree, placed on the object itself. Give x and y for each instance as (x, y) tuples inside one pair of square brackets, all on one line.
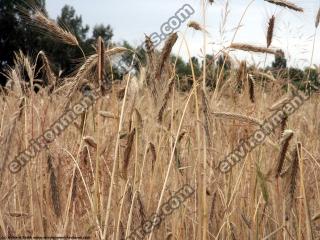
[(63, 55), (196, 67), (15, 33), (280, 62), (105, 32)]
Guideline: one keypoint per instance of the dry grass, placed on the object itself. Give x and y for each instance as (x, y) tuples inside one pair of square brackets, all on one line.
[(114, 166), (143, 159)]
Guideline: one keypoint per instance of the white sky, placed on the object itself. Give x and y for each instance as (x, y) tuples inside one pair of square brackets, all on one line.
[(131, 19)]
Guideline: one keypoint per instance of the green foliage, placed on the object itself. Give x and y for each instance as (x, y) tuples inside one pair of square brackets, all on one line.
[(280, 61), (17, 35), (211, 71), (184, 69), (62, 55), (105, 32), (14, 33)]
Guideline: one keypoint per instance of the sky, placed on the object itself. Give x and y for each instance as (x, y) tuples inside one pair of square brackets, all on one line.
[(130, 20)]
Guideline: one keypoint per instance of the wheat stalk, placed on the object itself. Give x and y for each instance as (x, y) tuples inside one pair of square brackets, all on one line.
[(207, 121)]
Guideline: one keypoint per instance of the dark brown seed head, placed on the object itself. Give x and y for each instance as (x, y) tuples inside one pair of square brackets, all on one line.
[(317, 19), (270, 30), (287, 136), (286, 4), (251, 89)]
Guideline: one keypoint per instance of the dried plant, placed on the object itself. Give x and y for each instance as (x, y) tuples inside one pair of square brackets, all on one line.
[(317, 19), (206, 113), (287, 4), (251, 84), (241, 75), (239, 117), (101, 61), (107, 114), (40, 20), (127, 152), (165, 99), (270, 30), (50, 76), (152, 149), (283, 124), (279, 105), (196, 26), (284, 144), (295, 154), (54, 190), (165, 54), (137, 156), (252, 48), (86, 68), (90, 141)]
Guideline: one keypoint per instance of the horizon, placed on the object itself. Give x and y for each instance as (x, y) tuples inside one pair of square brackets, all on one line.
[(131, 20)]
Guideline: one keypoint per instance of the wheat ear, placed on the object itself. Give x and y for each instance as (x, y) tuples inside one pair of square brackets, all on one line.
[(286, 4), (252, 48), (296, 153), (40, 20), (270, 30), (284, 144), (239, 117), (317, 19)]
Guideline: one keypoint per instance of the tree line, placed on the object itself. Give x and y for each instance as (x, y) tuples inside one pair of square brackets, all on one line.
[(17, 34)]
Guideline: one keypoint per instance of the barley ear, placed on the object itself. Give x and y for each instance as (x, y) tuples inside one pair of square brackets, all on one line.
[(165, 99), (251, 84), (270, 30), (165, 54), (317, 19), (284, 144), (152, 149), (127, 153), (295, 154), (286, 4), (101, 62), (54, 190)]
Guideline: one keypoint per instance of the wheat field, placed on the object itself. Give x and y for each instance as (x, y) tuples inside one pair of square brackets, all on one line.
[(143, 139)]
